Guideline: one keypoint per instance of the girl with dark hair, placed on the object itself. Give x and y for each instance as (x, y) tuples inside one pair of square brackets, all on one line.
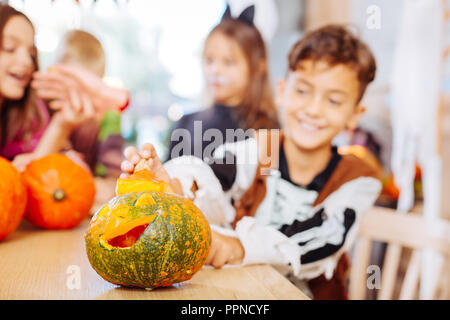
[(28, 129), (237, 82), (23, 119)]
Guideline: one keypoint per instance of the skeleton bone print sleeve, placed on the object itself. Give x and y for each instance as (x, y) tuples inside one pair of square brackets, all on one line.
[(301, 229)]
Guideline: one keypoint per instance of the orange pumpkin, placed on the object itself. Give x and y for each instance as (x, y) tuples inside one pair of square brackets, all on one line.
[(391, 189), (60, 192), (13, 198), (364, 154)]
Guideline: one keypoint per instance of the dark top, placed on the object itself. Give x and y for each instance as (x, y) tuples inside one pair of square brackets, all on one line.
[(319, 181), (194, 141)]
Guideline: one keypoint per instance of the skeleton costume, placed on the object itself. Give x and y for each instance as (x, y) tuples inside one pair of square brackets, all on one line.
[(303, 231)]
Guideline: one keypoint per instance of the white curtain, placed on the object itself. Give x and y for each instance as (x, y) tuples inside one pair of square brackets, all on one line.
[(416, 84)]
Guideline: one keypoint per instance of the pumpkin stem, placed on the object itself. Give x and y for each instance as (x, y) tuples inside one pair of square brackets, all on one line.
[(59, 195), (142, 165)]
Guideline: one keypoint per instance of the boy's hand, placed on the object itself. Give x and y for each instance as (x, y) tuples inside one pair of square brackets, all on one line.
[(224, 250), (153, 163), (148, 153)]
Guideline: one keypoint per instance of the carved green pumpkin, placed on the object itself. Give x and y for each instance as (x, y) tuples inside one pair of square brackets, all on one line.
[(148, 239)]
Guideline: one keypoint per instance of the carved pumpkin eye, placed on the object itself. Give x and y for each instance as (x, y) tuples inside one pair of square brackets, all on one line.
[(145, 200)]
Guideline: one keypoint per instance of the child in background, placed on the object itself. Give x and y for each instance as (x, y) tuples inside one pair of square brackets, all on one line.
[(237, 81), (58, 87), (81, 48), (24, 118), (23, 121), (302, 217), (100, 142)]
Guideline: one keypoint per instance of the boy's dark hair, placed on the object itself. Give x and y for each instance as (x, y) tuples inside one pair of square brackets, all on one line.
[(336, 44)]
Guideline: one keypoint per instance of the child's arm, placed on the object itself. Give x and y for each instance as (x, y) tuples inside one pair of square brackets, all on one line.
[(193, 178), (22, 160), (299, 245), (53, 86), (63, 122), (311, 243), (224, 250), (57, 134), (188, 176)]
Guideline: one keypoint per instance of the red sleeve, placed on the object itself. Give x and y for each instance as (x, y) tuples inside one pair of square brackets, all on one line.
[(127, 103)]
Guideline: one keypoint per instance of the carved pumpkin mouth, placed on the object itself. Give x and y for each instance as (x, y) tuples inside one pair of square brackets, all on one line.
[(128, 239), (126, 234), (120, 230)]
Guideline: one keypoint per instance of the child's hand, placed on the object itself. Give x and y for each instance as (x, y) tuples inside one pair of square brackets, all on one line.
[(148, 153), (224, 250), (53, 86), (21, 161), (77, 110), (152, 163)]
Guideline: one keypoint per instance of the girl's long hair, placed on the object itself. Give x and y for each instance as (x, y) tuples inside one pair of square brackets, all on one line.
[(16, 115), (258, 108)]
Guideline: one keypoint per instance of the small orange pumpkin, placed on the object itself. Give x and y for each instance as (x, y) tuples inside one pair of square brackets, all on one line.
[(13, 198), (364, 154), (60, 192)]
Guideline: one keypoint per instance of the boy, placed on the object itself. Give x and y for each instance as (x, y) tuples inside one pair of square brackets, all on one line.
[(303, 216), (101, 147), (100, 142)]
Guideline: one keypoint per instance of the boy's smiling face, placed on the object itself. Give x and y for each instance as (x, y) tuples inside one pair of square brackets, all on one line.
[(317, 102)]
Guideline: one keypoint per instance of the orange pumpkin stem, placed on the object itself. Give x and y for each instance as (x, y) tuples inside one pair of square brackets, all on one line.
[(142, 165), (59, 195)]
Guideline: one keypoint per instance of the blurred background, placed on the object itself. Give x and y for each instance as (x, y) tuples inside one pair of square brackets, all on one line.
[(153, 48)]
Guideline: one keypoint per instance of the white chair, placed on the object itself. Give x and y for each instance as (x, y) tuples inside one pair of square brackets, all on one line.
[(408, 230)]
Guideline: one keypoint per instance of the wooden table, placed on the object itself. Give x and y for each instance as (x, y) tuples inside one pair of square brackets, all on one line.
[(43, 264)]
